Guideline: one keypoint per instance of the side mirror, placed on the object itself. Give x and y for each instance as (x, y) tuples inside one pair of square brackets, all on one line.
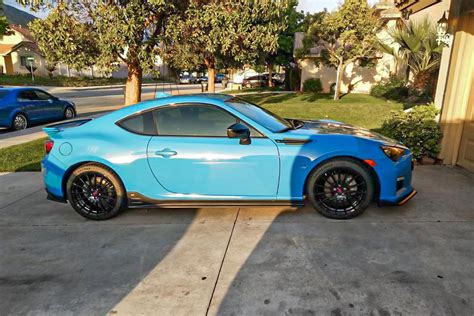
[(241, 131)]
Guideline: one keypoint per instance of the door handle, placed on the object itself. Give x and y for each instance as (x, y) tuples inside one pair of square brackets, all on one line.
[(166, 153)]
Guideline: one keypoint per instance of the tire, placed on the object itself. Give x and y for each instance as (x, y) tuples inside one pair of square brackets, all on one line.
[(96, 192), (341, 188), (69, 113), (20, 122)]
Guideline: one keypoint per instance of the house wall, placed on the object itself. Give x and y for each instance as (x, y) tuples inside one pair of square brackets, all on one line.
[(2, 65), (456, 116), (24, 51), (434, 13), (356, 78), (13, 38)]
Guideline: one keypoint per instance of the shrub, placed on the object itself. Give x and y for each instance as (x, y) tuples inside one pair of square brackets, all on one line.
[(417, 129), (392, 88), (313, 85)]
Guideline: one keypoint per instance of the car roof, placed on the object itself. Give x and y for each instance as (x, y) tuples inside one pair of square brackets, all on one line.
[(194, 97), (184, 98), (18, 88)]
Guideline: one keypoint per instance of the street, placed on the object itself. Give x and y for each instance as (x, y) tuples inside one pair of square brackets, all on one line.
[(410, 260)]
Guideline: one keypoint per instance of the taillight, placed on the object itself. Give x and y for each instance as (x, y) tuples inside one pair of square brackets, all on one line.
[(48, 145)]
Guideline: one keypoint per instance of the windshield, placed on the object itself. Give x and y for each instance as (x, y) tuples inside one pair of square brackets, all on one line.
[(267, 119)]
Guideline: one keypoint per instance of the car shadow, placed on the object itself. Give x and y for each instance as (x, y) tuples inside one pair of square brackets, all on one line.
[(414, 259), (55, 262)]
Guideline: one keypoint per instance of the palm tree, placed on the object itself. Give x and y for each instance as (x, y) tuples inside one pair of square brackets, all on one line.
[(416, 46)]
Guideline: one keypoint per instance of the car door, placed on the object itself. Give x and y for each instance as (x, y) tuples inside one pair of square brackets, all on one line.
[(193, 155), (51, 108), (29, 104)]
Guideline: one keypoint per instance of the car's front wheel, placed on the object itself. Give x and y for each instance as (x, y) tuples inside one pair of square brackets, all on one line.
[(19, 122), (96, 192), (341, 188), (69, 113)]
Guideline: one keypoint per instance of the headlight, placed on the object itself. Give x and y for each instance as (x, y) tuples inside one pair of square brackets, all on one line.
[(393, 152)]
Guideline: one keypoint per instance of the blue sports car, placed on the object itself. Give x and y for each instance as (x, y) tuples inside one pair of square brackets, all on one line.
[(219, 150), (21, 107)]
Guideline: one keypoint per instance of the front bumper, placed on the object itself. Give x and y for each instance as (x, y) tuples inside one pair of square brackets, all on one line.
[(395, 180), (402, 200)]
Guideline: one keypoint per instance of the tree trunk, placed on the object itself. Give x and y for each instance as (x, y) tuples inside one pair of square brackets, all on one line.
[(133, 87), (270, 75), (340, 73), (211, 78), (421, 81)]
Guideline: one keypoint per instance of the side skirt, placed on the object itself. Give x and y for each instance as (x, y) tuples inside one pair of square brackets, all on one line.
[(136, 200)]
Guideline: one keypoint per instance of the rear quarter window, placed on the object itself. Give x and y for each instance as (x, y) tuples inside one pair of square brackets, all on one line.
[(142, 124)]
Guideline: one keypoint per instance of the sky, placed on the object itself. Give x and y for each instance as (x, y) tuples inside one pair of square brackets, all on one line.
[(305, 5)]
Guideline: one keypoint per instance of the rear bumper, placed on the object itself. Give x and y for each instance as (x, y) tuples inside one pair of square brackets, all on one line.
[(56, 198)]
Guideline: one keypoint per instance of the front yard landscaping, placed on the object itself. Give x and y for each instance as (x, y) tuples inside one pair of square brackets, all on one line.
[(62, 81), (358, 109), (23, 157)]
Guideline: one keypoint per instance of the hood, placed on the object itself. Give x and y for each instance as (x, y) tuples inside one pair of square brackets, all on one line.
[(334, 127)]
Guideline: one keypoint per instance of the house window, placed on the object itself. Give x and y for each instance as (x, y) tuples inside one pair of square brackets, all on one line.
[(24, 60)]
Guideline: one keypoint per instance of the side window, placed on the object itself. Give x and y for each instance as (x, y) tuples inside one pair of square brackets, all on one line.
[(26, 95), (193, 120), (139, 124), (40, 95)]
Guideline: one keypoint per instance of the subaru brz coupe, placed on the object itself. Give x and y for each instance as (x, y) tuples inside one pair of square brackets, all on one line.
[(218, 150)]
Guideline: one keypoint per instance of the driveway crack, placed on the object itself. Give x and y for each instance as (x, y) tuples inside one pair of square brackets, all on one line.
[(222, 262), (23, 197)]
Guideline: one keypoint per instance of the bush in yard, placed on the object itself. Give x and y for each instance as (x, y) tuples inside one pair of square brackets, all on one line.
[(417, 129), (313, 85), (392, 88)]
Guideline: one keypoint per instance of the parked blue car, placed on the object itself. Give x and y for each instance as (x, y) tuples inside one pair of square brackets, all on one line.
[(219, 150), (22, 107)]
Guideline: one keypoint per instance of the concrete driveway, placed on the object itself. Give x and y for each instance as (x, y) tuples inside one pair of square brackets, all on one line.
[(412, 260)]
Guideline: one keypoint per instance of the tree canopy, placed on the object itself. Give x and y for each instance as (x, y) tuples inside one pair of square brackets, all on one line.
[(417, 48), (345, 36), (3, 20), (104, 33), (230, 33)]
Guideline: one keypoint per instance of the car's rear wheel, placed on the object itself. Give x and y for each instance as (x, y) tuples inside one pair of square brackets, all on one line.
[(95, 192), (341, 189), (69, 113), (19, 122)]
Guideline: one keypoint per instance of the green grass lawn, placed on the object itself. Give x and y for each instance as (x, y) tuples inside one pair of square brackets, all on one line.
[(23, 157), (357, 109), (61, 81)]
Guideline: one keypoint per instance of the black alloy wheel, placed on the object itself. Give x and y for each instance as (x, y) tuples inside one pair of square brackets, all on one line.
[(341, 189), (95, 192)]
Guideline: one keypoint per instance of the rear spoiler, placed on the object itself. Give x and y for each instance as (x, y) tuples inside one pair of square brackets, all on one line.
[(58, 127)]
